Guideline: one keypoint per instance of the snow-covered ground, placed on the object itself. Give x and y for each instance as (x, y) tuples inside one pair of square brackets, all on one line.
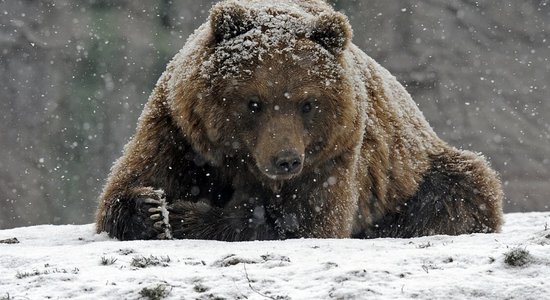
[(72, 262)]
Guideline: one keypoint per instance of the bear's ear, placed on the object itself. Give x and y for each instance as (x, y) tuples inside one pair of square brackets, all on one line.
[(332, 31), (228, 20)]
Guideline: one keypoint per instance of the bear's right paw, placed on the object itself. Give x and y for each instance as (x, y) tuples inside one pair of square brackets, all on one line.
[(151, 207)]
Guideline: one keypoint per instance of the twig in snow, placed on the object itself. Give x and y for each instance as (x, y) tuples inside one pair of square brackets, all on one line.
[(238, 289), (425, 268), (8, 297), (252, 288)]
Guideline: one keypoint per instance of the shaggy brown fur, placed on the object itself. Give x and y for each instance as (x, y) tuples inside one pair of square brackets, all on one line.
[(271, 124)]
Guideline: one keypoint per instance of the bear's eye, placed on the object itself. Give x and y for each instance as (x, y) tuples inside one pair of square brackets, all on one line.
[(307, 107), (254, 104)]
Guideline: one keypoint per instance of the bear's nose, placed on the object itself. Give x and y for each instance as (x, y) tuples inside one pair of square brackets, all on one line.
[(287, 163)]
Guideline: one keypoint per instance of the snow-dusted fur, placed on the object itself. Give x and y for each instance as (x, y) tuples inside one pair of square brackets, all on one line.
[(271, 124)]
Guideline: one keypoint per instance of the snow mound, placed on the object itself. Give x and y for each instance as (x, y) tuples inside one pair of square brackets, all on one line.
[(72, 262)]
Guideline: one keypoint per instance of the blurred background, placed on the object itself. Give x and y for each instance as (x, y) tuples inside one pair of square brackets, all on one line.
[(74, 76)]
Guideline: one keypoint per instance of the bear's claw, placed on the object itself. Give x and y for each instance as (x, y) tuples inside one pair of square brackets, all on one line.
[(159, 225), (155, 209), (153, 201), (161, 213), (155, 217)]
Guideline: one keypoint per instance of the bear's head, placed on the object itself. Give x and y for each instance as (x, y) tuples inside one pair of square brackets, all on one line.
[(275, 93)]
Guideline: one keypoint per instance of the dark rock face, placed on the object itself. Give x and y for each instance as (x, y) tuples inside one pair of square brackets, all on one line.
[(75, 77)]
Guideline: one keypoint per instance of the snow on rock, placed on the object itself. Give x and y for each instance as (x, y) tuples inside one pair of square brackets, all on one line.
[(72, 262)]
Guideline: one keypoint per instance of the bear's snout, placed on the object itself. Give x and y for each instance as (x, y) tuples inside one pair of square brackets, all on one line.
[(280, 148), (286, 163)]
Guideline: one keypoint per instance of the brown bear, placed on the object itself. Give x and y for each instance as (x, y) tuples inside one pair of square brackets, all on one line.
[(271, 124)]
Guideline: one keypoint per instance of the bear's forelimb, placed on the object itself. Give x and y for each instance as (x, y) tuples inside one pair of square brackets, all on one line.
[(199, 220)]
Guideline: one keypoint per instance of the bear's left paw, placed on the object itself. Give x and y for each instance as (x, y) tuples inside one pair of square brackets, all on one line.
[(193, 220)]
